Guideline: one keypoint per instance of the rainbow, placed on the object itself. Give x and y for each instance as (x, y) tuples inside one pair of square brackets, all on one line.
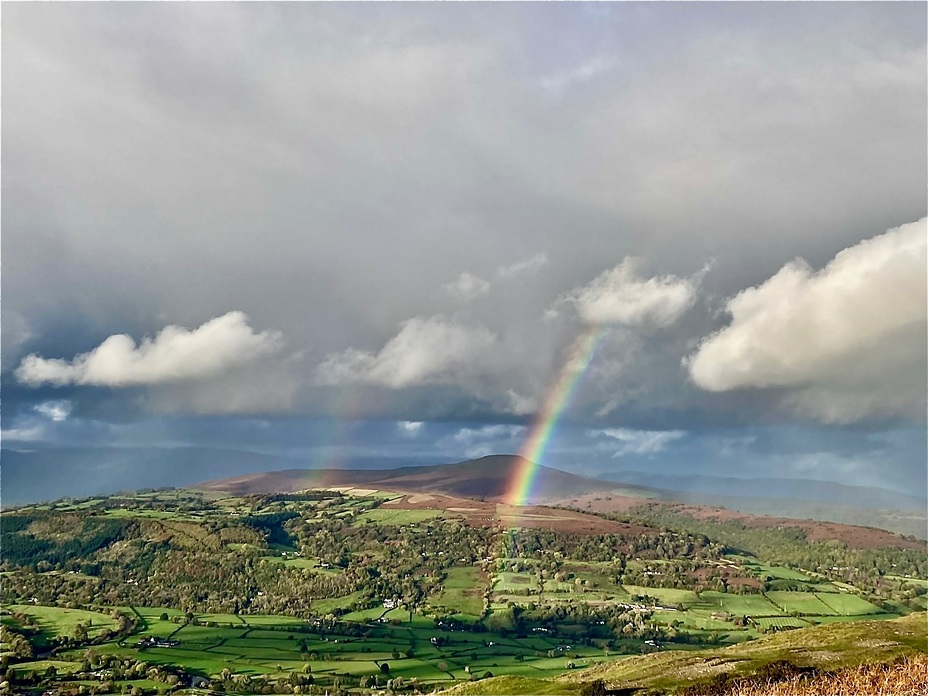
[(533, 450)]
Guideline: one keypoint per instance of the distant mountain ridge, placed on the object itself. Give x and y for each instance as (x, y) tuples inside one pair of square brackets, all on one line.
[(47, 474), (869, 497), (489, 478), (51, 473)]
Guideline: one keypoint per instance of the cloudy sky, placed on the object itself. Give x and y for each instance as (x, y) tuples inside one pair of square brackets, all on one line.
[(351, 231)]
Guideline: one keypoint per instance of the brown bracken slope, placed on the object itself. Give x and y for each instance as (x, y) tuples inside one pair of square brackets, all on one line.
[(855, 537), (488, 478)]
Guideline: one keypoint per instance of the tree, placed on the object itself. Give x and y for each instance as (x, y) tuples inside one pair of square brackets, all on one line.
[(385, 667)]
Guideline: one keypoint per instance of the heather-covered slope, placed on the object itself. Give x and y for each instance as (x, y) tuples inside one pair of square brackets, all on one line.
[(490, 478)]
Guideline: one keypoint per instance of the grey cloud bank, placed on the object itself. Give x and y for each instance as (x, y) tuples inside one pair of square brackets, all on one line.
[(419, 207), (850, 338)]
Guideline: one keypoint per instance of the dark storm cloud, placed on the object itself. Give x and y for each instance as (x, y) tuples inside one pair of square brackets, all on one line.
[(358, 180)]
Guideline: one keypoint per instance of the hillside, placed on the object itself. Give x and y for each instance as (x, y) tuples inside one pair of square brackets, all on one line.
[(687, 515), (825, 501), (867, 497), (357, 587), (826, 647), (488, 478)]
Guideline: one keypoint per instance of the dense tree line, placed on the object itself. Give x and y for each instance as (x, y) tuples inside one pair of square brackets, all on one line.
[(65, 537)]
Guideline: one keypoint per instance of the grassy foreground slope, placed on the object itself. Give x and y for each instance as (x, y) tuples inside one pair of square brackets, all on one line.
[(827, 647)]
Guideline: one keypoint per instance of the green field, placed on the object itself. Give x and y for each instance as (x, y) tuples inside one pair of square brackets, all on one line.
[(58, 621), (248, 649), (739, 605), (324, 606), (693, 618), (761, 570), (39, 666), (507, 582), (827, 647), (780, 622), (296, 562), (151, 514), (848, 604), (385, 516), (462, 593), (665, 596), (920, 582), (802, 603)]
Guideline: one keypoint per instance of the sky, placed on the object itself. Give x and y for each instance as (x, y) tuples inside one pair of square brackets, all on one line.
[(338, 232)]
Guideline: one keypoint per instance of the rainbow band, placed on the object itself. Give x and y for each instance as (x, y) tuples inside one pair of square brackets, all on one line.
[(532, 452)]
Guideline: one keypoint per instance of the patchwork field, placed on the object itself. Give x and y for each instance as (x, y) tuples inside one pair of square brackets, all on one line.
[(269, 645), (484, 588), (824, 647)]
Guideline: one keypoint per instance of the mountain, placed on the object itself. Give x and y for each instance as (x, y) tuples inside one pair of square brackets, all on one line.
[(775, 488), (50, 473), (488, 478), (53, 473), (906, 522)]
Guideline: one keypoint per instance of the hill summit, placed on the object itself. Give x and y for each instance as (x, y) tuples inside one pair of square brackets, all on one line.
[(490, 478)]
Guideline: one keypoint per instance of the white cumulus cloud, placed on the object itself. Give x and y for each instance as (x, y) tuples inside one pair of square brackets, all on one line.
[(409, 428), (425, 351), (174, 355), (621, 296), (846, 342), (55, 410)]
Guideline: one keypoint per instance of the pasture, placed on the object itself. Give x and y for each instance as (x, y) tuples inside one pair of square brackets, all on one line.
[(462, 593), (666, 596), (388, 517), (781, 622), (508, 582), (779, 572), (39, 666), (324, 606), (740, 605), (59, 621), (801, 603), (693, 618), (845, 604), (276, 646)]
